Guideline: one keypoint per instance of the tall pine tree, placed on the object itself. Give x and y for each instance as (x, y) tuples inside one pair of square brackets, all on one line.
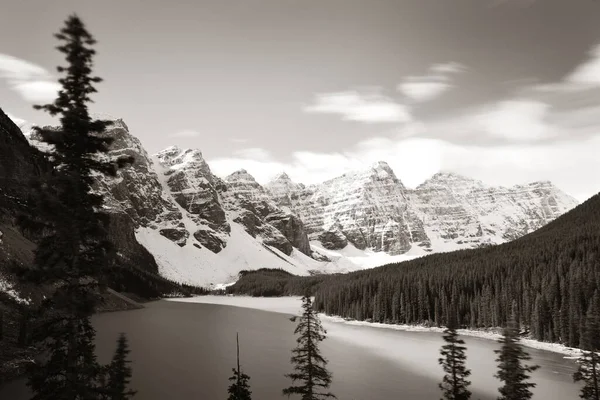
[(454, 384), (588, 371), (511, 370), (239, 388), (119, 373), (309, 365), (73, 250)]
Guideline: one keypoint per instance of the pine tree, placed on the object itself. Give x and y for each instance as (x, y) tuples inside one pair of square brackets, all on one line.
[(309, 365), (119, 373), (511, 371), (78, 379), (73, 250), (239, 388), (454, 384), (588, 371)]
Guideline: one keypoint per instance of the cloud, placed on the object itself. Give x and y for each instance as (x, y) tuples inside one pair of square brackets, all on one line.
[(423, 90), (570, 165), (360, 106), (18, 121), (253, 153), (515, 120), (416, 159), (584, 77), (37, 91), (186, 133), (29, 80), (371, 106), (431, 85), (587, 73), (447, 68)]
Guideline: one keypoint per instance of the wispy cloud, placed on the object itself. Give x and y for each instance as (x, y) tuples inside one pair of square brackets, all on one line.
[(515, 120), (448, 68), (431, 85), (18, 121), (355, 105), (587, 73), (253, 153), (186, 133), (585, 76), (569, 164), (32, 82)]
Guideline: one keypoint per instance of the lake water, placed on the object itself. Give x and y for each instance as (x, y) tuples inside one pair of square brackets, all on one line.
[(184, 351)]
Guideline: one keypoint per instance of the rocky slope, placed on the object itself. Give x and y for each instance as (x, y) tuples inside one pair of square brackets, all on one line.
[(200, 228), (203, 230), (133, 268), (372, 209), (369, 208), (459, 212)]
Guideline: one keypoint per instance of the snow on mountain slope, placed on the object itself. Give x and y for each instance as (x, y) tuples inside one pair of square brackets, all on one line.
[(369, 208), (372, 210), (192, 265), (204, 230), (362, 259), (460, 212)]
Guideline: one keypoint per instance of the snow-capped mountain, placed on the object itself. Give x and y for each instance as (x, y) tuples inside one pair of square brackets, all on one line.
[(459, 212), (200, 228), (369, 208), (372, 209), (203, 230)]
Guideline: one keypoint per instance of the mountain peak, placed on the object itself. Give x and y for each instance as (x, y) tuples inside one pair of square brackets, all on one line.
[(170, 150), (282, 176), (241, 175), (381, 164), (447, 178), (383, 170)]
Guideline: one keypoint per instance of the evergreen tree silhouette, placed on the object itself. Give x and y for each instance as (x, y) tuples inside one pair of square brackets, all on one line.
[(309, 365), (588, 371), (453, 361), (119, 373), (239, 388), (74, 248), (511, 371)]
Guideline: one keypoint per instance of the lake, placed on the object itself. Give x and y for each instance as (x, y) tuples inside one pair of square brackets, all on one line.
[(186, 350)]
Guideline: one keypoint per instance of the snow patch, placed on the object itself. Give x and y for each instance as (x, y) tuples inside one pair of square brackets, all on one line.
[(292, 305), (8, 288)]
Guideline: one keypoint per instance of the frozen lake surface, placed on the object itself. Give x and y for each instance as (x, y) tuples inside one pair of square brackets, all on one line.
[(186, 349)]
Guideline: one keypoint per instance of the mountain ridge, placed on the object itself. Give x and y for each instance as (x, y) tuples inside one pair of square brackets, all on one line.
[(203, 229)]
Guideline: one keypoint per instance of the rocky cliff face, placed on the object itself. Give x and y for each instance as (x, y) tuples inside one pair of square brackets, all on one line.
[(187, 179), (260, 215), (369, 208), (20, 165), (174, 194), (126, 204), (373, 210), (459, 212)]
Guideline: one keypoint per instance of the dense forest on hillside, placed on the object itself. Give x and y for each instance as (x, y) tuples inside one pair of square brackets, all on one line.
[(269, 282), (548, 280)]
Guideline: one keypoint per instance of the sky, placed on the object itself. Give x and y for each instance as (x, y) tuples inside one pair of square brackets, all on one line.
[(504, 91)]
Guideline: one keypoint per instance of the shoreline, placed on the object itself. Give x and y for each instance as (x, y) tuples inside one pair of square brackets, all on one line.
[(291, 305), (487, 334)]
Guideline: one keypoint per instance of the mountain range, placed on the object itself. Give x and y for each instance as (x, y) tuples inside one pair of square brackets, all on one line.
[(202, 229)]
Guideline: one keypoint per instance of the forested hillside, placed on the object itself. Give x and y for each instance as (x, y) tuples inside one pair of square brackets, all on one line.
[(547, 279)]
